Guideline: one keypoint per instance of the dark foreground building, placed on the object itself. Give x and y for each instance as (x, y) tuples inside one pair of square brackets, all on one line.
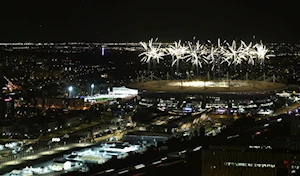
[(240, 161), (266, 148)]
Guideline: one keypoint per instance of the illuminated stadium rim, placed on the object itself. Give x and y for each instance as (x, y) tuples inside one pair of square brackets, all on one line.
[(196, 86), (202, 84)]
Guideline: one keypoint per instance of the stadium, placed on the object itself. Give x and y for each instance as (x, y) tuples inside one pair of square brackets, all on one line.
[(237, 82), (198, 86), (223, 58)]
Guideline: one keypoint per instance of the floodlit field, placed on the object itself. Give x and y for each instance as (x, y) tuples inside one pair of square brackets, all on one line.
[(207, 86)]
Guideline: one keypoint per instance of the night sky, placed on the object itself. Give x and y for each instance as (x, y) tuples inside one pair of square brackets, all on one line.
[(138, 20)]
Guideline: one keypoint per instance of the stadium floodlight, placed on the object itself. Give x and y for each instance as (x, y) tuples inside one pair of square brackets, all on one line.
[(70, 91), (92, 89)]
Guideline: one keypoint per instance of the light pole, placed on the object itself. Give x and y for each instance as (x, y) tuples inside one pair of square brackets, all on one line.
[(70, 90), (92, 91)]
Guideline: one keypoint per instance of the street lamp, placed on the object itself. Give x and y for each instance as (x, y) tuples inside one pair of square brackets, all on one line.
[(70, 90), (92, 91)]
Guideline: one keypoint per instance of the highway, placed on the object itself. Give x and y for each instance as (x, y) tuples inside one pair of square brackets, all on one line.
[(145, 167)]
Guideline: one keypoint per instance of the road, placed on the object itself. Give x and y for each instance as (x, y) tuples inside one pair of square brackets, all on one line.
[(286, 109), (152, 164)]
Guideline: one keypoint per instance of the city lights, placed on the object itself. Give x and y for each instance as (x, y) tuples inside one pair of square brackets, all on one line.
[(149, 88)]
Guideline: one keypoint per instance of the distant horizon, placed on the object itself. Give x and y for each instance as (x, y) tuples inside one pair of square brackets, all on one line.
[(159, 41)]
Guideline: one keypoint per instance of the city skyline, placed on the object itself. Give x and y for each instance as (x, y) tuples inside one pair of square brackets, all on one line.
[(90, 20), (136, 87)]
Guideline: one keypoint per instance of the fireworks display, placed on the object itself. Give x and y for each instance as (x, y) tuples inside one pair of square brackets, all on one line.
[(151, 52), (196, 54)]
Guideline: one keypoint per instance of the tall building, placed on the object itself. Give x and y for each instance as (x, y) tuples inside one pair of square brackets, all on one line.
[(295, 126), (237, 160), (267, 147), (9, 108), (2, 84)]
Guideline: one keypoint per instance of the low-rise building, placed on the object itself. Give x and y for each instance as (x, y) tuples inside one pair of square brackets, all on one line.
[(61, 103), (146, 136)]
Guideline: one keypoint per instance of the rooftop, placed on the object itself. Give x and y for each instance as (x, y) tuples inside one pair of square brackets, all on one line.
[(148, 133)]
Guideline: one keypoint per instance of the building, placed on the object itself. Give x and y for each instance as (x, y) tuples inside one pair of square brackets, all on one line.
[(113, 93), (61, 103), (146, 136), (2, 114), (263, 148), (236, 160), (76, 104), (7, 128), (39, 103), (2, 84), (55, 103), (73, 121), (9, 108), (295, 126)]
